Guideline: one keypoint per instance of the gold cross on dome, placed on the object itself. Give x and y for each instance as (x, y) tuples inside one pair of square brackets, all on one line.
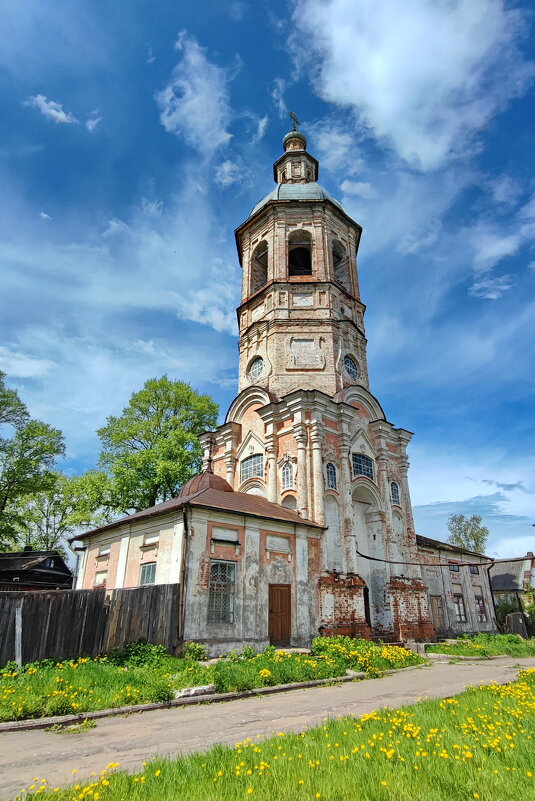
[(295, 122)]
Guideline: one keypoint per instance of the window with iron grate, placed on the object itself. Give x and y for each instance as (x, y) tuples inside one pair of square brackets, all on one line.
[(147, 573), (252, 467), (362, 465), (221, 592), (394, 493), (331, 476), (287, 476)]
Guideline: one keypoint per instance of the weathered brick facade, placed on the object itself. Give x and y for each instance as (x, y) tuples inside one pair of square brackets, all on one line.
[(305, 421)]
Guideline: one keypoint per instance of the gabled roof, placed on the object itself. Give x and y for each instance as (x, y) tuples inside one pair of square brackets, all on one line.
[(240, 502), (445, 546), (31, 560), (508, 576)]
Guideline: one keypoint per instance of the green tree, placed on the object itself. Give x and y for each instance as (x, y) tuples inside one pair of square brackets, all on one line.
[(153, 447), (467, 532), (28, 451), (47, 518)]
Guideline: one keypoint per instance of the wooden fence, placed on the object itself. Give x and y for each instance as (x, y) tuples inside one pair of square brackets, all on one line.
[(65, 624)]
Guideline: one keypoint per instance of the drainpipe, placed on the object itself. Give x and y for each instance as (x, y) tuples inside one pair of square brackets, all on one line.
[(446, 610)]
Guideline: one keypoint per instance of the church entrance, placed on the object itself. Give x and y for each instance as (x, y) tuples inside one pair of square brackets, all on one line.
[(279, 614)]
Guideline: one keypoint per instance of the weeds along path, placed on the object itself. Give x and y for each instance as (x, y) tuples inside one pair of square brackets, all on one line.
[(134, 738)]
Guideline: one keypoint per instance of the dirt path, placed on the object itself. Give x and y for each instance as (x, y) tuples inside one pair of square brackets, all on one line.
[(131, 739)]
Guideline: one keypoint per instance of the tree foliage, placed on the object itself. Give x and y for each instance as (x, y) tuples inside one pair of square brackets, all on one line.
[(467, 532), (152, 448), (45, 519), (28, 451)]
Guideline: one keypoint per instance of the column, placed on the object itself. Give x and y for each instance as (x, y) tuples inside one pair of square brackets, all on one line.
[(346, 510), (230, 462), (317, 474), (271, 455), (302, 483)]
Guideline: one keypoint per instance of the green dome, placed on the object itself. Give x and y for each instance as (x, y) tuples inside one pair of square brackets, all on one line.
[(309, 191)]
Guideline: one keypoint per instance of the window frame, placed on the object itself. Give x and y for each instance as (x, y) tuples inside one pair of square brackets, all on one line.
[(287, 476), (460, 607), (395, 496), (481, 609), (250, 460), (331, 476), (454, 567), (365, 461), (143, 569), (474, 570), (218, 613), (305, 244)]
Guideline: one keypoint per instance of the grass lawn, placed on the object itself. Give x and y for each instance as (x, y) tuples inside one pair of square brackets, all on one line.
[(487, 645), (479, 745), (144, 673)]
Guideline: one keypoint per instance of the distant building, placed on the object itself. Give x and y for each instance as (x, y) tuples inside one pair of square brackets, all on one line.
[(459, 591), (514, 581), (34, 570)]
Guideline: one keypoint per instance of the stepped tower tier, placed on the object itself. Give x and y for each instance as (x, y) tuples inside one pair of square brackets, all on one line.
[(305, 431), (301, 320)]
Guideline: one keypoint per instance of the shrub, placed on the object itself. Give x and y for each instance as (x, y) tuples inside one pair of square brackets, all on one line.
[(138, 654), (195, 651)]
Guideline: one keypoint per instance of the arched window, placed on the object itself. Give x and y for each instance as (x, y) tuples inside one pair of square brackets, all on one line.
[(394, 493), (300, 253), (331, 476), (340, 264), (287, 476), (252, 467), (362, 465), (259, 265)]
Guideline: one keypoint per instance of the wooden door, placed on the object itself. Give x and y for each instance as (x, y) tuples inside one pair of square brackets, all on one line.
[(437, 614), (280, 614)]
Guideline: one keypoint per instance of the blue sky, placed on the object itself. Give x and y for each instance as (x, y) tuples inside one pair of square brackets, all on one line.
[(136, 136)]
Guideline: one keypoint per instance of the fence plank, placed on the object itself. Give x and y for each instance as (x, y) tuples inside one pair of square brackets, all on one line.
[(65, 624)]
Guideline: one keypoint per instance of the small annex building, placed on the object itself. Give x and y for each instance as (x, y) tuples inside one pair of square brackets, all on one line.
[(34, 570), (247, 568)]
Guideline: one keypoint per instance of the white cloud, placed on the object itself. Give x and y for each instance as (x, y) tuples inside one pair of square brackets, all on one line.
[(151, 58), (230, 172), (491, 288), (277, 95), (448, 480), (20, 365), (335, 146), (93, 121), (424, 76), (505, 190), (44, 216), (359, 188), (50, 109), (195, 102), (261, 130)]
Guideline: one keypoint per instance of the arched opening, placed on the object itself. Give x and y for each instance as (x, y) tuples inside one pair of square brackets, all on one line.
[(289, 502), (394, 493), (340, 264), (300, 253), (332, 482), (287, 475), (362, 465), (259, 267), (252, 467)]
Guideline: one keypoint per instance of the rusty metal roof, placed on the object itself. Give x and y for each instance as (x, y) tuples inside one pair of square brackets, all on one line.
[(212, 498)]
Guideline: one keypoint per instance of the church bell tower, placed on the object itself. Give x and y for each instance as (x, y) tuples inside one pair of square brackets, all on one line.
[(305, 431)]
